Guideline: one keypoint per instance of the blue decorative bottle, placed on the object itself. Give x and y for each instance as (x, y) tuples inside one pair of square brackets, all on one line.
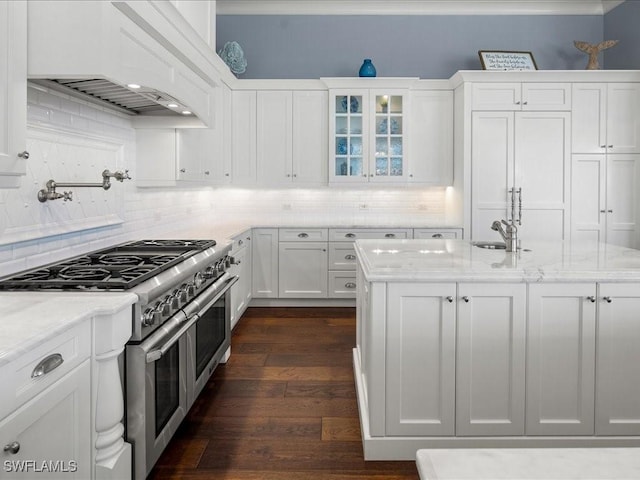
[(367, 69)]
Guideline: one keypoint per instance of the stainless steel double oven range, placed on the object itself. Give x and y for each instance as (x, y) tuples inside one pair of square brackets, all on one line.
[(181, 325)]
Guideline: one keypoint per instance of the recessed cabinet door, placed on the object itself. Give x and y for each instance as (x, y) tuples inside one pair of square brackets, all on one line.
[(623, 118), (274, 130), (618, 360), (490, 370), (264, 261), (420, 369), (243, 143), (310, 137), (303, 271), (13, 92), (560, 358)]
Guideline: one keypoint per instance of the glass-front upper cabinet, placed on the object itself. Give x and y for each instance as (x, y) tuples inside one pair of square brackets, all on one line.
[(367, 136)]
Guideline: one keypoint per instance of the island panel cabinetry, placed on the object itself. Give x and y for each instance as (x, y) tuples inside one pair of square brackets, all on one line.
[(490, 367), (242, 266), (302, 263), (13, 93), (420, 360), (606, 118), (520, 172), (515, 96), (618, 360), (605, 199), (561, 349)]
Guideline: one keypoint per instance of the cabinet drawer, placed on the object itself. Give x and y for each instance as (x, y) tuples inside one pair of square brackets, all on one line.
[(353, 234), (342, 256), (17, 380), (427, 233), (303, 234), (342, 285)]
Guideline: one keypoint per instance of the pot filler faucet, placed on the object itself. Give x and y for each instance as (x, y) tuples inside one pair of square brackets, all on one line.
[(510, 236)]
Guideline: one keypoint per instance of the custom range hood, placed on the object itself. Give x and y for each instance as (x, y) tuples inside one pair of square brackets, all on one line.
[(130, 99), (135, 57)]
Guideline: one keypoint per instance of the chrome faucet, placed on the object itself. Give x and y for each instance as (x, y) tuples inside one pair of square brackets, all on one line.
[(510, 236)]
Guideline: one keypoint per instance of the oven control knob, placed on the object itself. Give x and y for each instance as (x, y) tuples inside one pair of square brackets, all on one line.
[(174, 300), (198, 280), (183, 294), (191, 290), (210, 272), (149, 317), (228, 261), (220, 266), (164, 308)]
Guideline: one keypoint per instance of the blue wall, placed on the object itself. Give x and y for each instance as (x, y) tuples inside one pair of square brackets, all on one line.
[(623, 23), (433, 46)]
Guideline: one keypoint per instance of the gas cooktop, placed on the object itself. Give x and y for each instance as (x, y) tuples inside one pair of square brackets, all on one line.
[(116, 268)]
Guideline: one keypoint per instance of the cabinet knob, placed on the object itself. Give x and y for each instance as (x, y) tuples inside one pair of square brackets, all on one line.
[(607, 299), (350, 257), (466, 299), (609, 211), (449, 299), (525, 103), (13, 447), (350, 235), (602, 211), (350, 285), (592, 299), (226, 174), (24, 155), (183, 170), (609, 146), (603, 146), (295, 175), (436, 235), (303, 235), (517, 103), (390, 235), (206, 172), (288, 175)]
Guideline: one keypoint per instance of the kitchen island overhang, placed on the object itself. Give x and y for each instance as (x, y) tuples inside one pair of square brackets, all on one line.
[(460, 346)]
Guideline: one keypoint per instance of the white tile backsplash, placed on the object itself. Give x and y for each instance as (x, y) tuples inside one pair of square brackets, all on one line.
[(103, 137)]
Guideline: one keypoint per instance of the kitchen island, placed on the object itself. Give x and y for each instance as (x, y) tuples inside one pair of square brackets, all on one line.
[(460, 346)]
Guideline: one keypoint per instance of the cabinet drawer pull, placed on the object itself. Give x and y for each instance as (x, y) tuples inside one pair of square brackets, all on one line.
[(591, 298), (350, 235), (350, 257), (390, 235), (47, 365), (350, 285), (449, 299), (13, 447), (607, 299), (24, 155), (303, 235), (466, 299), (436, 235)]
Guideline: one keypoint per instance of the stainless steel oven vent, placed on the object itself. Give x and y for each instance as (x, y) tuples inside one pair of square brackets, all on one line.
[(141, 101)]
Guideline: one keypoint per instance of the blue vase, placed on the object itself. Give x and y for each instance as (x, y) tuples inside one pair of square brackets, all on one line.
[(367, 69)]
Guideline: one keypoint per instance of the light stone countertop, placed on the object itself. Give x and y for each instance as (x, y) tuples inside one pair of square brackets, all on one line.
[(459, 261), (529, 464), (30, 318)]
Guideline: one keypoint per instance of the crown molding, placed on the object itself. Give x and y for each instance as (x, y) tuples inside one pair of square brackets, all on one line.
[(415, 7)]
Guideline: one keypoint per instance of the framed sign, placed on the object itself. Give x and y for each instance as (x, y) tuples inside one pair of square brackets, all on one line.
[(505, 60)]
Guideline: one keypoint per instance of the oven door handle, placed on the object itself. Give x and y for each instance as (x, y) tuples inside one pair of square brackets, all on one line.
[(157, 353)]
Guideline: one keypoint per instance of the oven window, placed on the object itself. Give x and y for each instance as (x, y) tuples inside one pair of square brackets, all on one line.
[(210, 332), (167, 387)]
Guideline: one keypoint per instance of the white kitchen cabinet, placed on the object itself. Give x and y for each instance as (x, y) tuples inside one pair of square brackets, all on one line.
[(420, 366), (606, 118), (530, 96), (561, 350), (431, 160), (604, 205), (241, 291), (618, 360), (243, 137), (264, 263), (303, 263), (13, 93), (53, 430), (490, 365), (429, 233), (291, 138), (368, 135), (520, 170)]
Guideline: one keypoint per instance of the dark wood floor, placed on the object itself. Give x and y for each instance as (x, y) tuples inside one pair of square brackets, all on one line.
[(283, 407)]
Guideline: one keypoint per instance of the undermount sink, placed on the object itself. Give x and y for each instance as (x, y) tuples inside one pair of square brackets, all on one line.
[(490, 245)]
